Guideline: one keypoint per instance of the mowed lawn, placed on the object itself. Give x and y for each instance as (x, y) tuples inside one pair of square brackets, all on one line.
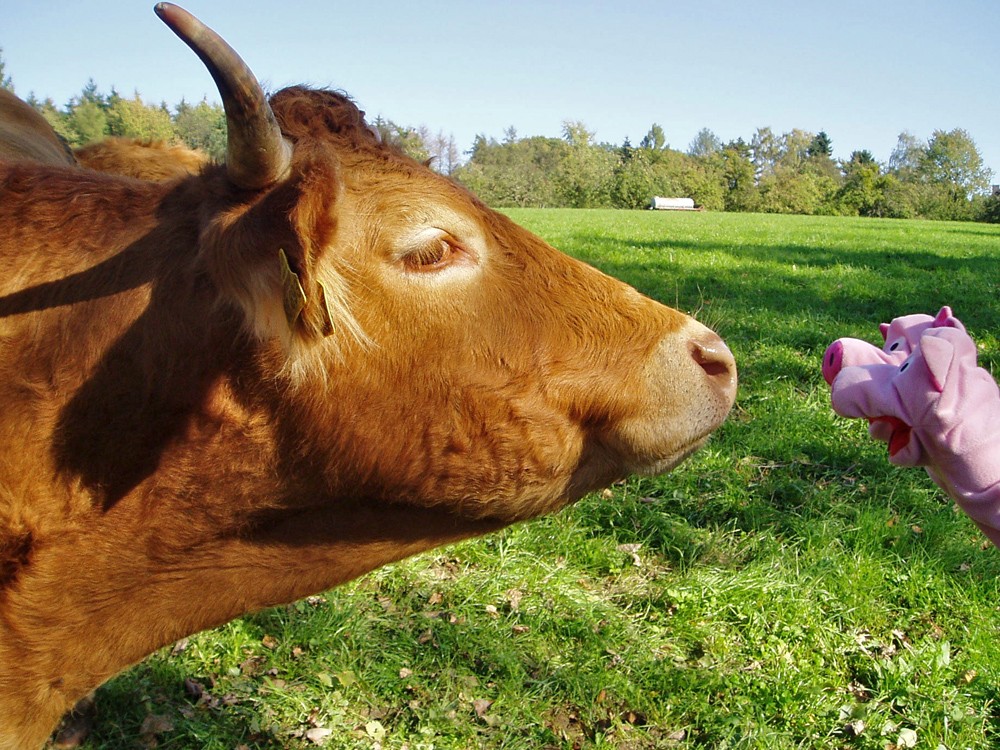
[(784, 588)]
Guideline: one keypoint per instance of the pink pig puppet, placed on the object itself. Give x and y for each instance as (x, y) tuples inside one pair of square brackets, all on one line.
[(900, 336), (936, 408)]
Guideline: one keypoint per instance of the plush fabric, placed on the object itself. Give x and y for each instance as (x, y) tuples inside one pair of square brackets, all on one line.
[(924, 394)]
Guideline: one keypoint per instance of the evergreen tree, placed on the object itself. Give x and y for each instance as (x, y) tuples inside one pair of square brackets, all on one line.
[(88, 122), (626, 151), (862, 157), (821, 145)]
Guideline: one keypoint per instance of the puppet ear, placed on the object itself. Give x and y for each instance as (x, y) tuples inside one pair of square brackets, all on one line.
[(946, 319), (883, 328), (938, 354)]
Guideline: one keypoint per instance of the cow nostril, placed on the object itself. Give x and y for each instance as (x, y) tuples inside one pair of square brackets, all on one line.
[(714, 357), (712, 367)]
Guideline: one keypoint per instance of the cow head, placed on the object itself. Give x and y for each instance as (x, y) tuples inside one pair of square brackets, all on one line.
[(440, 353)]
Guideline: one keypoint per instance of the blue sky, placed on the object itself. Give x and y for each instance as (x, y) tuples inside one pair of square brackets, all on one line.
[(863, 71)]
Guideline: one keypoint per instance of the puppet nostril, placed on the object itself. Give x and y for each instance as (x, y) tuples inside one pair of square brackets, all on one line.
[(833, 360)]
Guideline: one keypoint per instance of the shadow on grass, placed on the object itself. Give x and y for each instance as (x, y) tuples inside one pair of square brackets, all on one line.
[(150, 705), (797, 279)]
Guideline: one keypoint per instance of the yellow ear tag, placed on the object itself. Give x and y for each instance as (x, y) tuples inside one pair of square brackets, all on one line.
[(294, 295), (325, 307)]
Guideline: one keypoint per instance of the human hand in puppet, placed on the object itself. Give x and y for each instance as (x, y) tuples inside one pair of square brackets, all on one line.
[(935, 407)]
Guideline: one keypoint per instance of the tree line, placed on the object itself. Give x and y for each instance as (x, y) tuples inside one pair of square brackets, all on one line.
[(942, 177)]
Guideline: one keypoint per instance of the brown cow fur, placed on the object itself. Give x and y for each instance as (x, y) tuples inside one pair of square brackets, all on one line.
[(143, 159), (174, 452), (27, 136)]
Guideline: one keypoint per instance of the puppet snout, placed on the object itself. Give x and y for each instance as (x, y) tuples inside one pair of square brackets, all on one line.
[(864, 391), (833, 361)]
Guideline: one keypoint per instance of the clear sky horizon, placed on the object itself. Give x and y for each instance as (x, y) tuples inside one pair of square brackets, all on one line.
[(862, 71)]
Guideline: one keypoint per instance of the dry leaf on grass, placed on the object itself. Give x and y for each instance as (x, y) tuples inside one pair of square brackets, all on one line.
[(318, 735)]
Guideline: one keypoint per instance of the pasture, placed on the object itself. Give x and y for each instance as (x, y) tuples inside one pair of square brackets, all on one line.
[(784, 588)]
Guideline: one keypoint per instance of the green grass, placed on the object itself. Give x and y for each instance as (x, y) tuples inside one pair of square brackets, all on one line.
[(784, 588)]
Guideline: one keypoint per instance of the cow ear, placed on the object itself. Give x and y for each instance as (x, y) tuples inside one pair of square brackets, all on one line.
[(268, 256), (307, 300)]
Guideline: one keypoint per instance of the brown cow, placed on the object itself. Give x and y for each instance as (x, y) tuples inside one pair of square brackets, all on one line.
[(256, 383), (142, 159), (27, 136)]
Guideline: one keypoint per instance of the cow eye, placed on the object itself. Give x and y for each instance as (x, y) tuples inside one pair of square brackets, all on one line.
[(434, 254)]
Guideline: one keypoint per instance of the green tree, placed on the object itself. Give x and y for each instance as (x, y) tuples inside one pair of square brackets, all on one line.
[(5, 80), (862, 157), (789, 191), (87, 122), (202, 126), (821, 145), (795, 148), (766, 151), (86, 116), (132, 118), (866, 191), (584, 176), (575, 133), (701, 180), (627, 151), (940, 178), (987, 208), (633, 180), (907, 156), (738, 177), (705, 144), (408, 140), (57, 119), (654, 139), (514, 173), (953, 160)]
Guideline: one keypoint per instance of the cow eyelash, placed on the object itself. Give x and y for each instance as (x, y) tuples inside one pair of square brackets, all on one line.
[(433, 255)]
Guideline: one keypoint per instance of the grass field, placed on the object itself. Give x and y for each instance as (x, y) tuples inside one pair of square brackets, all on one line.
[(784, 588)]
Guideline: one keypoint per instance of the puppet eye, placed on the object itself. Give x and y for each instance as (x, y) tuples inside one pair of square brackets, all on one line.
[(905, 366), (894, 346)]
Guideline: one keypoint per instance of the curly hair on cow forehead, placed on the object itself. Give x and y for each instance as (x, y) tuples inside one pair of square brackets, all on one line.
[(318, 113)]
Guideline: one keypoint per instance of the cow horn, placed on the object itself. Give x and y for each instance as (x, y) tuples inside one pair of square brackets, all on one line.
[(257, 155)]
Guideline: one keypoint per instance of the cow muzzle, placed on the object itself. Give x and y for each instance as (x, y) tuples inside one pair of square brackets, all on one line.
[(686, 389)]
